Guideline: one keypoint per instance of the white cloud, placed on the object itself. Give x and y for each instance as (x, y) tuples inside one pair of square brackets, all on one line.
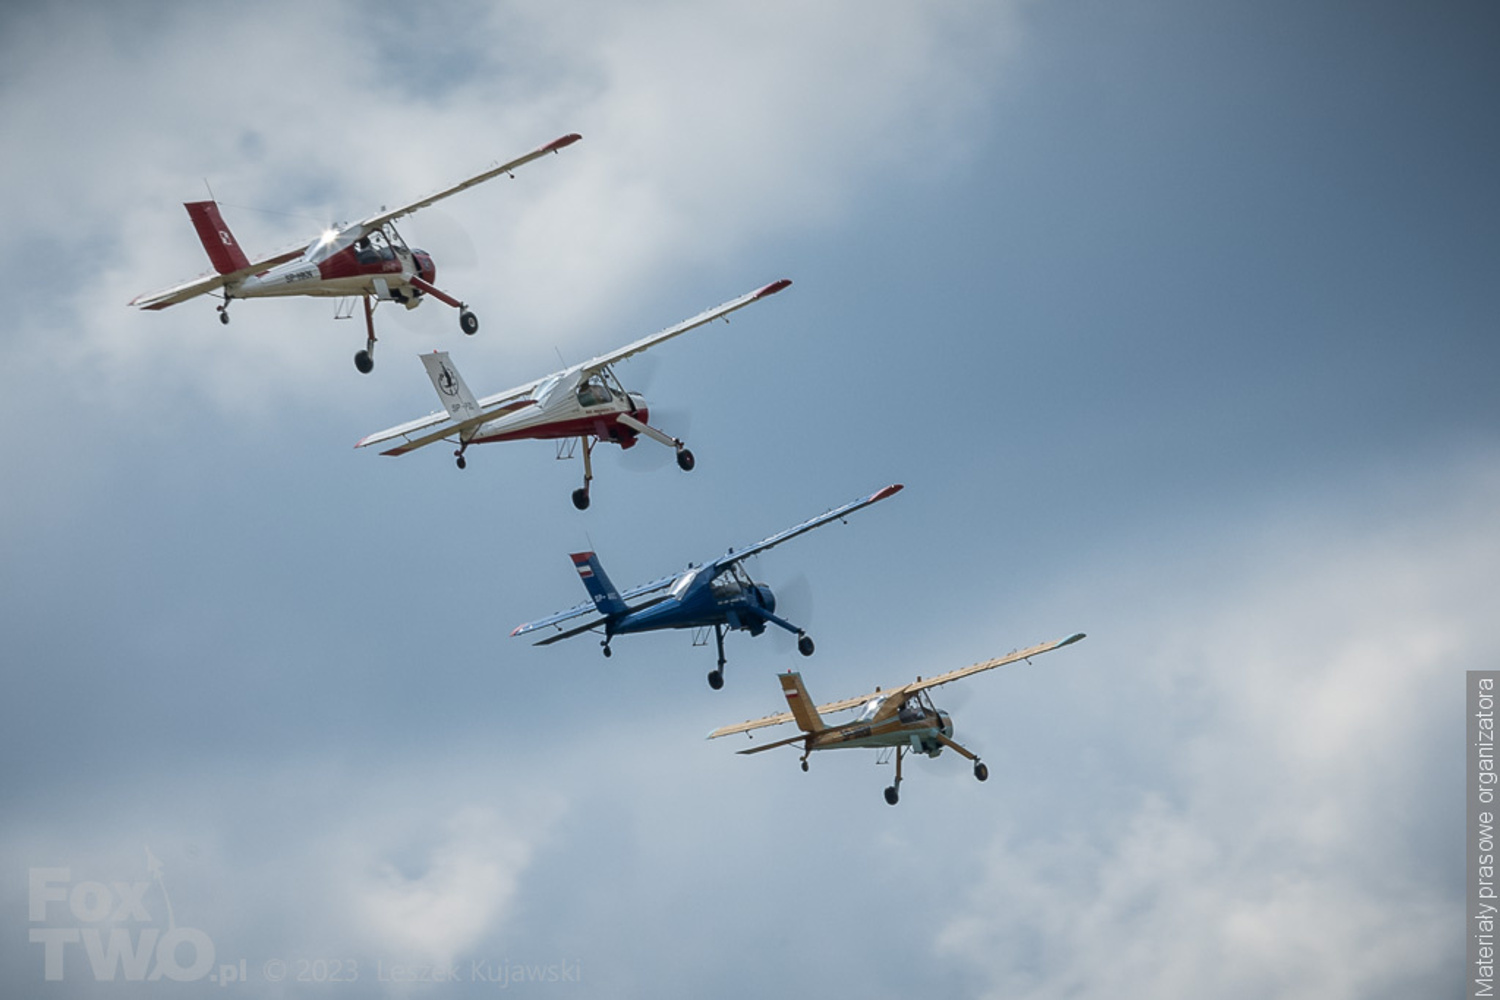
[(694, 149), (1284, 843)]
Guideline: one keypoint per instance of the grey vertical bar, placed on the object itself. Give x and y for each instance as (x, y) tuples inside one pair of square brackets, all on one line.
[(1482, 790)]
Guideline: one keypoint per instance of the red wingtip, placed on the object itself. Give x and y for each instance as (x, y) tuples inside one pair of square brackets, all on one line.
[(889, 491), (565, 141), (773, 288)]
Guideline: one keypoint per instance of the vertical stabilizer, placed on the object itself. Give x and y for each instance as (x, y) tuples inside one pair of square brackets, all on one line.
[(457, 399), (801, 705), (606, 598), (223, 252)]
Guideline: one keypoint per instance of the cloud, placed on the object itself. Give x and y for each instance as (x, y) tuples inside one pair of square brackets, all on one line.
[(1286, 834), (694, 151)]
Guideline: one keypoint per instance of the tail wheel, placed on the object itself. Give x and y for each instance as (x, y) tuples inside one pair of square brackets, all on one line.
[(468, 322)]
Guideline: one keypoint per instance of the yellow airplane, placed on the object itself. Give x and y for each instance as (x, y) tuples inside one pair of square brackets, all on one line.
[(902, 717)]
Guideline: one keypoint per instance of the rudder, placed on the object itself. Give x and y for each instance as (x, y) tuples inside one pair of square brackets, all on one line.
[(223, 252), (457, 399), (801, 705), (606, 598)]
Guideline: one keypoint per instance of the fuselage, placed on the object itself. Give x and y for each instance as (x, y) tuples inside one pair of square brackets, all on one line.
[(346, 263), (701, 599), (569, 408), (918, 729)]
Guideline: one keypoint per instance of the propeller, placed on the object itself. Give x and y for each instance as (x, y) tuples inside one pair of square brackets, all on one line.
[(794, 602), (443, 236)]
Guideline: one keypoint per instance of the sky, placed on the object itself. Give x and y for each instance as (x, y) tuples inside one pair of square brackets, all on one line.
[(1177, 321)]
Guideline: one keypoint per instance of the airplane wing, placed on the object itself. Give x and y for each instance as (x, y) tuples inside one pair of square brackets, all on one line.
[(211, 282), (999, 661), (912, 688), (376, 221), (707, 316), (557, 619), (815, 522)]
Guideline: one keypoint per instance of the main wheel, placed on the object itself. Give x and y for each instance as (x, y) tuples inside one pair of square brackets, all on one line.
[(891, 795), (980, 771), (805, 645), (364, 362), (468, 322), (581, 499), (716, 679), (685, 460)]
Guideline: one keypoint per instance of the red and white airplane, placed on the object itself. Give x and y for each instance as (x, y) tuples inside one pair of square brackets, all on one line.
[(585, 401), (367, 259)]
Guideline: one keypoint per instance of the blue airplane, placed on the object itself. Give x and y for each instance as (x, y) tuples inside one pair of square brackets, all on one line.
[(719, 594)]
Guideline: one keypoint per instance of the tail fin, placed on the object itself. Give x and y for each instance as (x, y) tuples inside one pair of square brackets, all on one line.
[(456, 397), (223, 251), (606, 598), (801, 705)]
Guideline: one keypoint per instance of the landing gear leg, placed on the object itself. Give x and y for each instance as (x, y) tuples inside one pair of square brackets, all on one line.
[(581, 496), (607, 651), (716, 676), (459, 455), (365, 359), (224, 310), (893, 792)]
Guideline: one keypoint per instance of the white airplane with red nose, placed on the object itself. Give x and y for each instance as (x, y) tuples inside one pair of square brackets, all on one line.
[(368, 260), (585, 402)]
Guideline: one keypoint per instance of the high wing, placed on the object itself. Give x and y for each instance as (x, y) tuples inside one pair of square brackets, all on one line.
[(376, 221), (211, 282), (590, 609), (999, 661), (808, 525), (900, 692), (707, 316)]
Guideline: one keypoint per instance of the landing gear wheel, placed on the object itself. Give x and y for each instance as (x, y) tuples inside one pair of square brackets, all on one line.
[(805, 645), (716, 679), (468, 322), (804, 765), (224, 316), (463, 463), (581, 499), (891, 795), (362, 361), (980, 771), (685, 460), (607, 651)]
